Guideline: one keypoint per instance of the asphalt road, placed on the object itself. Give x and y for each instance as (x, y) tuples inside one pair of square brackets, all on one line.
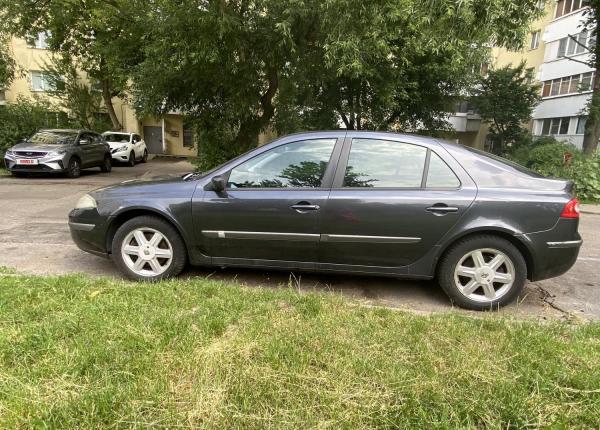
[(34, 238)]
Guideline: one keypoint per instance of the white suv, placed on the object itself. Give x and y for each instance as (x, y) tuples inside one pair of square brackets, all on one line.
[(126, 147)]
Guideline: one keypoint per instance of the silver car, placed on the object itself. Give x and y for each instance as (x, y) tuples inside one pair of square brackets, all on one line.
[(59, 151)]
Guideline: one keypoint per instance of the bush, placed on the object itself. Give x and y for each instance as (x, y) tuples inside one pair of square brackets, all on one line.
[(21, 119)]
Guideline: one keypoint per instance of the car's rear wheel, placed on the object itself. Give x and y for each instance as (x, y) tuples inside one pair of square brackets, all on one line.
[(148, 248), (131, 160), (106, 166), (74, 168), (482, 272), (145, 156)]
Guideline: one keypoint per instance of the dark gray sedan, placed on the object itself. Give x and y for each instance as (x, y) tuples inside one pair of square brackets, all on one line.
[(347, 202)]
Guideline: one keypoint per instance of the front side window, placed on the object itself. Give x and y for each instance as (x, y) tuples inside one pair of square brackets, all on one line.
[(384, 164), (294, 165)]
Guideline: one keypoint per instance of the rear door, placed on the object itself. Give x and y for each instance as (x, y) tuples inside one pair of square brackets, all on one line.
[(271, 209), (392, 200)]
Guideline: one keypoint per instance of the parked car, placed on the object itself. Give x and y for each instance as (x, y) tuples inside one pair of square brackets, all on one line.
[(126, 147), (59, 151), (346, 202)]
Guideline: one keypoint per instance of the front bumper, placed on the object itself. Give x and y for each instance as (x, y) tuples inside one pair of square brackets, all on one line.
[(88, 231), (122, 156), (49, 164)]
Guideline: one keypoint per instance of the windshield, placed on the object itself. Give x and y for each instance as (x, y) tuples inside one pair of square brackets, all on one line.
[(53, 138), (116, 137)]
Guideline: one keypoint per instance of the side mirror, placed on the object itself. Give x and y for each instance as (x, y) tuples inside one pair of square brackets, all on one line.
[(218, 184)]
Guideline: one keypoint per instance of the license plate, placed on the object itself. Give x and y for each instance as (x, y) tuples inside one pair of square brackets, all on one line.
[(27, 161)]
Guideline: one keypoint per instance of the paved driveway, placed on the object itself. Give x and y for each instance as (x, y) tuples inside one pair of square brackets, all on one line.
[(34, 238)]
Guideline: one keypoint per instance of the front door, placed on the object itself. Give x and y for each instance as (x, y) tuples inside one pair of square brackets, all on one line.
[(154, 139), (271, 209), (391, 202)]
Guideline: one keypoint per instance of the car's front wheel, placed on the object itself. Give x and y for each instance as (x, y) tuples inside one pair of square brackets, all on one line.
[(74, 168), (148, 248), (131, 160), (482, 272), (106, 166)]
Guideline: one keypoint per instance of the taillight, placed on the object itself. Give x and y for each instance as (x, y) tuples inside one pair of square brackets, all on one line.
[(571, 209)]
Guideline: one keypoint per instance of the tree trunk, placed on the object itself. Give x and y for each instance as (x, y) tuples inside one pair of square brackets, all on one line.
[(592, 125), (107, 98)]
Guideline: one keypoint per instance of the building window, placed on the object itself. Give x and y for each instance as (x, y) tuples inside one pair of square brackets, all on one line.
[(581, 124), (41, 81), (555, 126), (569, 85), (535, 39), (39, 41), (564, 7), (576, 44), (188, 136)]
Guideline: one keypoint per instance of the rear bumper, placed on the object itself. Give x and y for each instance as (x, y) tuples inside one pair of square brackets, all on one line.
[(553, 251)]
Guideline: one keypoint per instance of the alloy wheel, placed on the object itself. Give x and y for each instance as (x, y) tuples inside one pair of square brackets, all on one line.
[(484, 275), (147, 252)]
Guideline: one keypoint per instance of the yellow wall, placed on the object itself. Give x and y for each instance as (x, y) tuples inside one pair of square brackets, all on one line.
[(27, 59)]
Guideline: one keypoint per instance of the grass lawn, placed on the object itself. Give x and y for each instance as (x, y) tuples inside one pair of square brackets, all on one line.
[(79, 352), (3, 171)]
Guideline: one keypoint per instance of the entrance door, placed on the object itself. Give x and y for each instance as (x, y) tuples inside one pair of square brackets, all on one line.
[(271, 208), (154, 139), (391, 202)]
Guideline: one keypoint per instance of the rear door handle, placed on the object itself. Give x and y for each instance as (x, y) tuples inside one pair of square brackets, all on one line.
[(302, 208), (441, 209)]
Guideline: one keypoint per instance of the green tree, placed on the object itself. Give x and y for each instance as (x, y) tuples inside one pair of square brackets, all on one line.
[(592, 126), (7, 64), (76, 95), (242, 67), (505, 99), (100, 36)]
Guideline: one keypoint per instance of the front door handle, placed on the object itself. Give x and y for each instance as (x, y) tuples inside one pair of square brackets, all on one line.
[(441, 210), (304, 207)]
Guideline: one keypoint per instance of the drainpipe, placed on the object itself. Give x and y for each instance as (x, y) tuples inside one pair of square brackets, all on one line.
[(164, 143)]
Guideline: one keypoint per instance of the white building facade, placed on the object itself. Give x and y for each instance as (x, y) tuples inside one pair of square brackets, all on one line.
[(566, 78)]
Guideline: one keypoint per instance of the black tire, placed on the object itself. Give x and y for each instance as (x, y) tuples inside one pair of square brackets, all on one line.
[(145, 156), (74, 168), (106, 166), (456, 253), (179, 258), (131, 160)]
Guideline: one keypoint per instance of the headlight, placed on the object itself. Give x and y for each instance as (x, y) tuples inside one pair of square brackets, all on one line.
[(9, 152), (86, 202), (55, 153), (121, 148)]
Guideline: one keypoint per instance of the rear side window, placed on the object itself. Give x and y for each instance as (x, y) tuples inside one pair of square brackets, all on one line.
[(294, 165), (384, 164), (439, 174)]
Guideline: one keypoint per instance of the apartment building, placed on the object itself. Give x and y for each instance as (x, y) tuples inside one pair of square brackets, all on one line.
[(471, 130), (167, 135), (567, 79)]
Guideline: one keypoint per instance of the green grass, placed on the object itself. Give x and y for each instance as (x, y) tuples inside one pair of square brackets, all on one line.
[(4, 172), (79, 352)]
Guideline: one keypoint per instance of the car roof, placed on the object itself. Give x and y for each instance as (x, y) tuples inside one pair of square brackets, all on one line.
[(118, 132), (66, 130)]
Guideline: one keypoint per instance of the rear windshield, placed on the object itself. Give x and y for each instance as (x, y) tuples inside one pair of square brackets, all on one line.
[(116, 137), (53, 137), (507, 163)]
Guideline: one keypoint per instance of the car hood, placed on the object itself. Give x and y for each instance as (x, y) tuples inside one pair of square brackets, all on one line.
[(116, 144), (141, 184), (26, 146)]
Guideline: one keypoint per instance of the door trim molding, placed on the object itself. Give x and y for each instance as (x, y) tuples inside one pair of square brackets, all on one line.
[(368, 239), (261, 235), (306, 237)]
